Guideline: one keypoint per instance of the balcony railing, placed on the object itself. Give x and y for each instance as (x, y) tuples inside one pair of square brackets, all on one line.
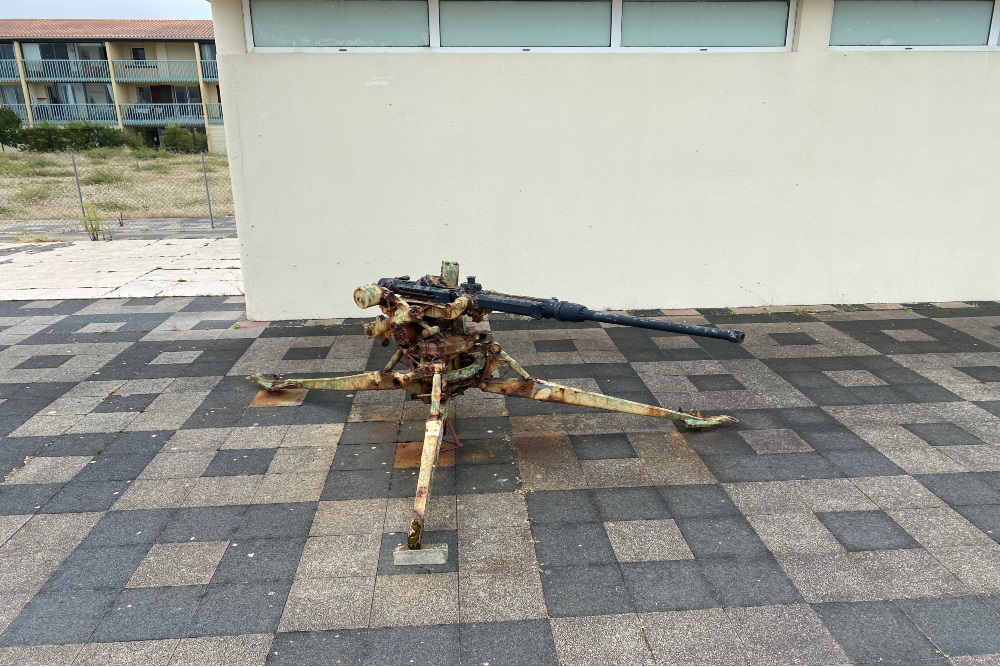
[(20, 109), (8, 71), (65, 113), (210, 70), (214, 113), (162, 114), (67, 70), (156, 70)]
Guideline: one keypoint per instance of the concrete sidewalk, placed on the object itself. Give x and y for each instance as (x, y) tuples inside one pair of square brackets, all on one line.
[(125, 268)]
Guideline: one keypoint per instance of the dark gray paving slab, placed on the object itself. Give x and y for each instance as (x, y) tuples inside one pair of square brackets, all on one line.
[(878, 633)]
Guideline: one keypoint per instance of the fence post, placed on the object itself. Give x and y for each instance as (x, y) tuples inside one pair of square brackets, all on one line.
[(76, 175), (208, 194)]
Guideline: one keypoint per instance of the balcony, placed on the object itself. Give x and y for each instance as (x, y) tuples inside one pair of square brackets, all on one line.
[(163, 114), (67, 70), (210, 70), (214, 113), (8, 71), (155, 70), (66, 113), (21, 110)]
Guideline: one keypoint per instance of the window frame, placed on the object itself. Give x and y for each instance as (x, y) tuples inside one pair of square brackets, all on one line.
[(991, 41), (433, 19)]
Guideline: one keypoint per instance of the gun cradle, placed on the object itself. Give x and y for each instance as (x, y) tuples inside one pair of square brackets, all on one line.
[(443, 338)]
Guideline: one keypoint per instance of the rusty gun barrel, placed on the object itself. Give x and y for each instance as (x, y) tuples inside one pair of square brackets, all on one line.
[(563, 311)]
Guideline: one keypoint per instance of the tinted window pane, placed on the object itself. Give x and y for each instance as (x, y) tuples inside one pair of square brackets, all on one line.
[(704, 23), (911, 22), (339, 22), (525, 23)]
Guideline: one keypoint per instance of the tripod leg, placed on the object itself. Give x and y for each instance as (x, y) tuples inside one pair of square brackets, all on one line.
[(540, 390), (372, 380), (415, 553)]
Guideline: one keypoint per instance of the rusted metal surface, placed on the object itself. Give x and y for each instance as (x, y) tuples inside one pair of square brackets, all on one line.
[(278, 398), (408, 455), (441, 330), (550, 392), (433, 432)]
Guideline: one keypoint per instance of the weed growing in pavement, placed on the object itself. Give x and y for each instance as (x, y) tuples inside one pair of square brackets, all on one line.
[(94, 225)]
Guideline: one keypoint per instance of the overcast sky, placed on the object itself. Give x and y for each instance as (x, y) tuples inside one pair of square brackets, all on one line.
[(105, 9)]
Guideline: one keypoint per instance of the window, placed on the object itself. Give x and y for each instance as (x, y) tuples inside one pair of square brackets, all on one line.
[(187, 95), (344, 25), (57, 51), (138, 53), (207, 51), (6, 51), (704, 23), (525, 23), (340, 22), (911, 22)]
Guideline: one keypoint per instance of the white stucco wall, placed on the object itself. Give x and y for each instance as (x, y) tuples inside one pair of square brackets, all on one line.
[(616, 180)]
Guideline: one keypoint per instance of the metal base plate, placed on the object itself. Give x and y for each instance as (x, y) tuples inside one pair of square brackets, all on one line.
[(428, 554)]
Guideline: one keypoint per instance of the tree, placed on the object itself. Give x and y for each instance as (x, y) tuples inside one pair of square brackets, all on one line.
[(10, 127), (176, 138)]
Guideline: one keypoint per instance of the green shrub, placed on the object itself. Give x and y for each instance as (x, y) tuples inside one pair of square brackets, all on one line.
[(178, 139), (77, 136), (10, 126)]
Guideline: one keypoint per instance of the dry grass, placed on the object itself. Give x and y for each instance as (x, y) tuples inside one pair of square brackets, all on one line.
[(136, 184)]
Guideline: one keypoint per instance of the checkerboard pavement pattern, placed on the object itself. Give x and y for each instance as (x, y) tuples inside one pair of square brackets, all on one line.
[(149, 515)]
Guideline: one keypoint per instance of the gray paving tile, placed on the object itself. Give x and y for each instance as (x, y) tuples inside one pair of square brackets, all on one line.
[(600, 640), (500, 597), (667, 586), (957, 626), (721, 536), (179, 564), (695, 637), (866, 531), (59, 617), (586, 590), (879, 575), (240, 609), (435, 645), (230, 650), (438, 594), (150, 613), (105, 568), (330, 647), (257, 560), (507, 643), (146, 652), (749, 582), (878, 632), (308, 606), (785, 634), (638, 541), (572, 544)]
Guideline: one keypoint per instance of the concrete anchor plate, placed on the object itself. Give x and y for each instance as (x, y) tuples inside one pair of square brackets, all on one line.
[(428, 554)]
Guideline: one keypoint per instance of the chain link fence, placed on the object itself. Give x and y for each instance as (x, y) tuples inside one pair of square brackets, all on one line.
[(114, 184)]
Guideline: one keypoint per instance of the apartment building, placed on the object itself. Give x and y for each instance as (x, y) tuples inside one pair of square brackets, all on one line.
[(141, 75)]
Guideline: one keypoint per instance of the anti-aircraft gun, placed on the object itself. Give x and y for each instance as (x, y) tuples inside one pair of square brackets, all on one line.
[(442, 336)]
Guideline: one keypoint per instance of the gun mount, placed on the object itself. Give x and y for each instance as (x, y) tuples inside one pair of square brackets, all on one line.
[(442, 335)]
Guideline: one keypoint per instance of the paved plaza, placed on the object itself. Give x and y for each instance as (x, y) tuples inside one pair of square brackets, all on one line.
[(149, 514), (168, 263)]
